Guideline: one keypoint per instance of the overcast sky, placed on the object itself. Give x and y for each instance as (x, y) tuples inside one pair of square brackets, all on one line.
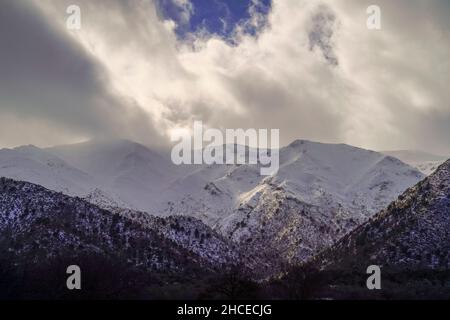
[(143, 69)]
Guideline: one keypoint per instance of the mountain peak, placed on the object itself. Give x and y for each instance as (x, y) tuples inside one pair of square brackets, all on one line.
[(28, 146), (300, 142)]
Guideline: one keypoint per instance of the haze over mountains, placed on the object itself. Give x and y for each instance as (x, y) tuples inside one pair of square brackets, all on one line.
[(425, 162)]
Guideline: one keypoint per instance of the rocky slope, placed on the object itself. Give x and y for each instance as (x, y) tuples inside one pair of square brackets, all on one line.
[(191, 234), (37, 224), (320, 193), (409, 241), (412, 233)]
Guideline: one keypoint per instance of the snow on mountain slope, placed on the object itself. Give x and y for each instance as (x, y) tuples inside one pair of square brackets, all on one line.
[(314, 173), (132, 172), (412, 233), (211, 193), (42, 232), (409, 241), (40, 166), (35, 165), (106, 159), (382, 182), (44, 224), (189, 233), (425, 162), (352, 176), (131, 175), (320, 192), (361, 181)]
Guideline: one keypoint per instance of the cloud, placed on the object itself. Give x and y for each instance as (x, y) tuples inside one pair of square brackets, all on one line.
[(314, 71), (179, 10), (52, 90), (399, 73), (321, 33)]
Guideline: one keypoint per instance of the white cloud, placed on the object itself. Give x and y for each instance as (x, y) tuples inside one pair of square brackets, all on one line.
[(186, 10), (384, 84)]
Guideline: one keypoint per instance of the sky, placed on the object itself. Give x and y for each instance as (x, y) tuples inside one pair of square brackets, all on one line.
[(216, 17), (145, 69)]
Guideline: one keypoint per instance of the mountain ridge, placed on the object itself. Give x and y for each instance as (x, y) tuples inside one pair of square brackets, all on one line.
[(416, 225), (324, 190)]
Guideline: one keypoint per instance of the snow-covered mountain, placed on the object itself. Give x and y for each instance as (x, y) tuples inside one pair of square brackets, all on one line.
[(425, 162), (32, 164), (125, 171), (315, 173), (405, 248), (411, 233), (42, 224), (409, 241), (320, 192), (43, 230)]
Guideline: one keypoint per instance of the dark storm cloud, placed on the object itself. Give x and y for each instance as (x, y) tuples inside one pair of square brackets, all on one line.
[(46, 77)]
